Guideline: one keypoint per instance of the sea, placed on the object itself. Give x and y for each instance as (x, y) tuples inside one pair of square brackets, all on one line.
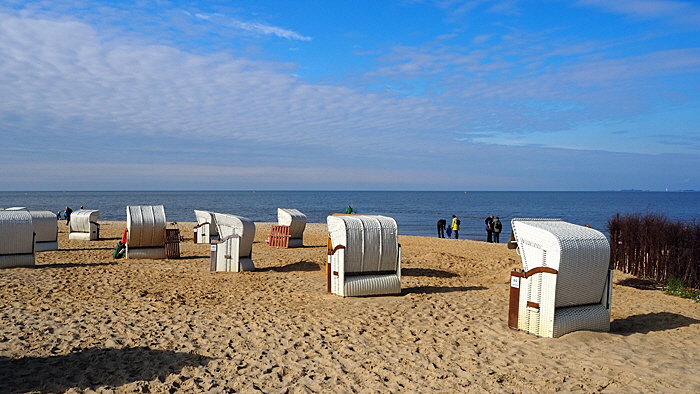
[(416, 212)]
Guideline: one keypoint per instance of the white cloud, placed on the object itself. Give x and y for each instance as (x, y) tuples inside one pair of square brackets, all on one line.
[(60, 80), (253, 27)]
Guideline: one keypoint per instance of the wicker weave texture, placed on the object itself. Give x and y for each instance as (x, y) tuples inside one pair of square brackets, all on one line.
[(228, 257), (81, 236), (370, 250), (45, 226), (146, 225), (84, 221), (580, 254), (588, 317), (145, 253), (17, 260), (368, 285), (236, 225), (294, 219), (371, 242), (577, 296), (16, 233)]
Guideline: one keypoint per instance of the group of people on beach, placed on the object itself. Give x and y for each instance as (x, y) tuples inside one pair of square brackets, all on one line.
[(493, 228), (66, 214)]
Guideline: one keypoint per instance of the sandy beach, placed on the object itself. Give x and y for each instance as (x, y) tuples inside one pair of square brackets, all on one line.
[(83, 322)]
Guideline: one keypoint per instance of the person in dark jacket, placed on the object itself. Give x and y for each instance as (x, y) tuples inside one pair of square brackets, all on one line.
[(497, 227), (441, 224), (489, 228), (68, 212)]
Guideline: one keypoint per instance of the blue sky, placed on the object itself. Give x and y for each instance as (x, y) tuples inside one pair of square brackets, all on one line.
[(344, 95)]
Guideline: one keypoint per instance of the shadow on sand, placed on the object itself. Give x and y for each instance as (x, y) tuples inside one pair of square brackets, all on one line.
[(427, 272), (91, 368), (78, 249), (298, 266), (643, 324), (641, 284)]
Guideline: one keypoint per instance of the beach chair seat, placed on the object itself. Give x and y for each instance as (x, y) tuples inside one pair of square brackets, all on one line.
[(205, 231), (83, 225), (233, 250), (45, 227), (566, 281), (145, 226), (364, 256), (289, 231), (16, 239)]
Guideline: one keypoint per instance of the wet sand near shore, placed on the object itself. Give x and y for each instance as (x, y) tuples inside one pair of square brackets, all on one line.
[(83, 322)]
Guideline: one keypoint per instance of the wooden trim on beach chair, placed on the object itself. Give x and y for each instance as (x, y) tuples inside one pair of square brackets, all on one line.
[(337, 248), (538, 270)]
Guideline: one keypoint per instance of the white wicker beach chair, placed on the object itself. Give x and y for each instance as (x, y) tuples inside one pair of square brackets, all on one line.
[(146, 232), (205, 231), (16, 239), (84, 226), (45, 225), (232, 252), (566, 282), (364, 256), (290, 226)]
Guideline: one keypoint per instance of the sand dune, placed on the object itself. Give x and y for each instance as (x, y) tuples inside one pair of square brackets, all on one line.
[(83, 322)]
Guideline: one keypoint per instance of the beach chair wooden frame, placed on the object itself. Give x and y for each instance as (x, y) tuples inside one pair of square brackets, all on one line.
[(84, 226), (279, 237), (45, 225), (172, 243), (364, 256), (233, 251), (205, 231), (566, 281), (296, 223), (145, 226), (17, 239)]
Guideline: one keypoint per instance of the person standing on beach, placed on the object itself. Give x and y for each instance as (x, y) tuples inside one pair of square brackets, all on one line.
[(455, 226), (68, 212), (497, 227), (489, 228), (441, 224)]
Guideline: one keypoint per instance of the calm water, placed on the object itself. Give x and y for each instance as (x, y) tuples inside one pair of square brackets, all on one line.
[(415, 212)]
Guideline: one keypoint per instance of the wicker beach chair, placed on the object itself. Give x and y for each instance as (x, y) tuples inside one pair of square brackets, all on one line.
[(16, 239), (364, 256), (84, 226), (232, 252), (566, 282), (45, 227), (205, 231), (289, 231), (146, 232)]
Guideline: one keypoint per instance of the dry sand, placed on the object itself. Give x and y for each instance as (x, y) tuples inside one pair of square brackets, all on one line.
[(83, 322)]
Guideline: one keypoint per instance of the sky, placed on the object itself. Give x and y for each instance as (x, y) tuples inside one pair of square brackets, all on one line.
[(571, 95)]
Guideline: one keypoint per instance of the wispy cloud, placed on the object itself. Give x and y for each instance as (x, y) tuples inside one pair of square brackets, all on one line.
[(61, 82), (252, 26)]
